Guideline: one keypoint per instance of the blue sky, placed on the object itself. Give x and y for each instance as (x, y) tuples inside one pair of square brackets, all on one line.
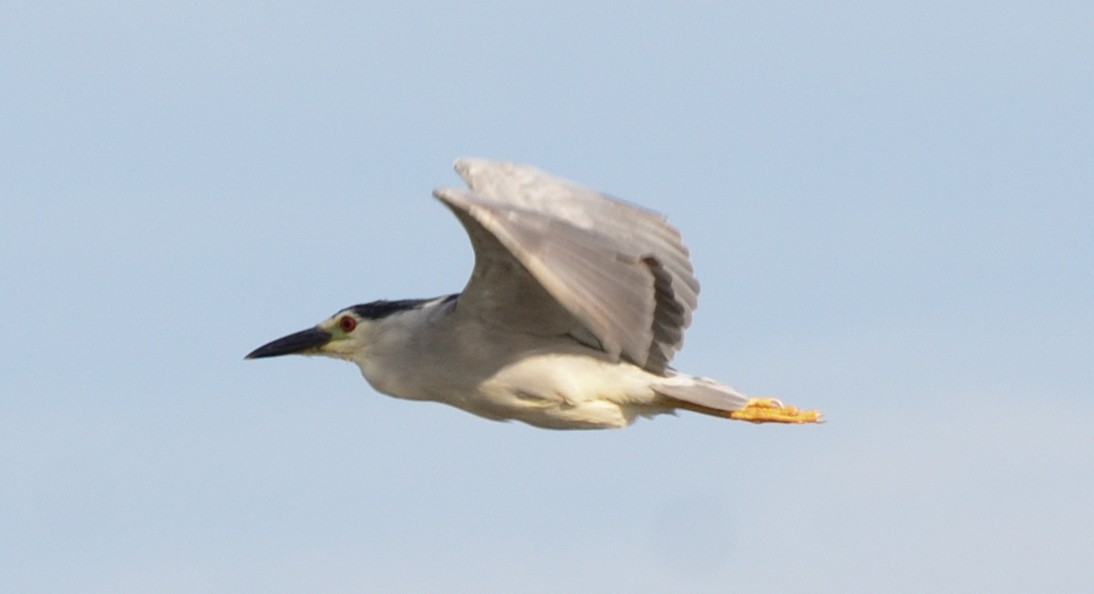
[(889, 206)]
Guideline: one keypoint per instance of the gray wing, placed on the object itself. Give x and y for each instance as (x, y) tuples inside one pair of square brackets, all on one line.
[(553, 257)]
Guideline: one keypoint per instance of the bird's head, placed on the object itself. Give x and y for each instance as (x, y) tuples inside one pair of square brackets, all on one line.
[(341, 336), (350, 334)]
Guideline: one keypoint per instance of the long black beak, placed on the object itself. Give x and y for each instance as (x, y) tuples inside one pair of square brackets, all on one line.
[(301, 342)]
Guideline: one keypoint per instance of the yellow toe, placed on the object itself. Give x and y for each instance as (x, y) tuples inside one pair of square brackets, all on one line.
[(770, 410)]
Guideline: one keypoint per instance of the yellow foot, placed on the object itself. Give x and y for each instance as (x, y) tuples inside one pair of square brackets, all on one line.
[(770, 410)]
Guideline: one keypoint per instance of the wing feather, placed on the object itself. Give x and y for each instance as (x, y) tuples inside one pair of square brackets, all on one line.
[(596, 264)]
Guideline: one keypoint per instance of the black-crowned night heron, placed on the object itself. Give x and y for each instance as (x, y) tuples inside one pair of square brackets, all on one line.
[(575, 307)]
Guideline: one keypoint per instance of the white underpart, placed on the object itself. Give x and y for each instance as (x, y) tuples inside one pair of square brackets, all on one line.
[(551, 382)]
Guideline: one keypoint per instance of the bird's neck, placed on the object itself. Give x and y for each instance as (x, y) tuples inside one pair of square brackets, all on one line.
[(397, 347)]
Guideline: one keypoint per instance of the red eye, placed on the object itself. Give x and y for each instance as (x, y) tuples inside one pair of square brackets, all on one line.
[(347, 324)]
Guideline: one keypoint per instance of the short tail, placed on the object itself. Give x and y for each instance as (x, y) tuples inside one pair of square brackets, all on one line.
[(709, 397), (700, 394)]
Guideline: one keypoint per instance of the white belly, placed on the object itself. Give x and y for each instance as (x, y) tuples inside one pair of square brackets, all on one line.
[(551, 390)]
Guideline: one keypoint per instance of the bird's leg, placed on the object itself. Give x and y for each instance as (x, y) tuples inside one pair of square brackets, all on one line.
[(770, 410)]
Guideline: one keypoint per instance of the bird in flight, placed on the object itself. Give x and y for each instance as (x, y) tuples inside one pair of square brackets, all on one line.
[(576, 305)]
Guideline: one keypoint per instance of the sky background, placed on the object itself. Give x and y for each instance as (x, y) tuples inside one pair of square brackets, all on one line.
[(890, 207)]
